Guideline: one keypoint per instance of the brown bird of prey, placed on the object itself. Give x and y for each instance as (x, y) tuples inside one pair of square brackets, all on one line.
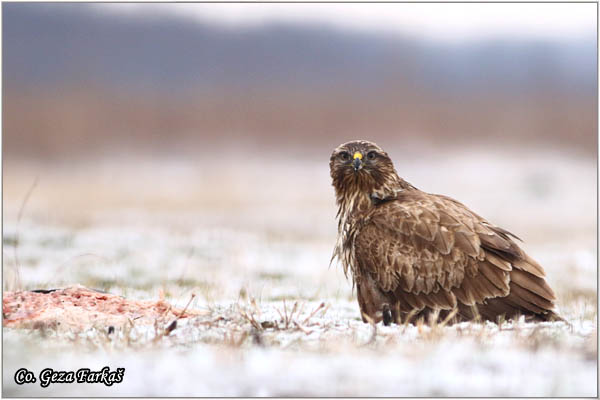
[(414, 254)]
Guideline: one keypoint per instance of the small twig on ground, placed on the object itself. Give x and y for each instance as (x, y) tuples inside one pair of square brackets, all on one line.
[(294, 309), (187, 305), (171, 327), (250, 318), (316, 310), (286, 316), (280, 315), (173, 324), (303, 329)]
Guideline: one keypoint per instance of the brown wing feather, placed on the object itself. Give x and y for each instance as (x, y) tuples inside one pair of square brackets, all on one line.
[(530, 265), (533, 284), (498, 262), (499, 277), (430, 251)]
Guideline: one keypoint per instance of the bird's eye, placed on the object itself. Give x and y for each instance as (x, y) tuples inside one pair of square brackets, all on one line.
[(344, 155), (371, 155)]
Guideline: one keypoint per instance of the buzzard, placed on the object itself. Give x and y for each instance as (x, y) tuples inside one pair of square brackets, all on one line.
[(414, 254)]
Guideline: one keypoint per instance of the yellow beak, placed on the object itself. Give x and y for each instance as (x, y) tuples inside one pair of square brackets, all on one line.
[(357, 163)]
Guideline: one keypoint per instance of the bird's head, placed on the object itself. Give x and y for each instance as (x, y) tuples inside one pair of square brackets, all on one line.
[(361, 166)]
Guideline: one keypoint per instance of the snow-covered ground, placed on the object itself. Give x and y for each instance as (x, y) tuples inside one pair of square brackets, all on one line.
[(244, 234), (332, 355)]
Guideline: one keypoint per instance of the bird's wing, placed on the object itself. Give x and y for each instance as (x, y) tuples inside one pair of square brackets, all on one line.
[(431, 251)]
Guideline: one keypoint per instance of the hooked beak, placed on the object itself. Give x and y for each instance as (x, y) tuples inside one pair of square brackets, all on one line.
[(357, 163)]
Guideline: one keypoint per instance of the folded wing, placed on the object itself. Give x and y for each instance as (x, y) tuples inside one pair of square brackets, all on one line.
[(431, 252)]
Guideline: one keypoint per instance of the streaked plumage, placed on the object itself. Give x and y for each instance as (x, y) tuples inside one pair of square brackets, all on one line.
[(415, 253)]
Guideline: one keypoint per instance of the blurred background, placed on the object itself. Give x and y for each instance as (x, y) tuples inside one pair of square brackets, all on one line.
[(211, 125), (90, 79)]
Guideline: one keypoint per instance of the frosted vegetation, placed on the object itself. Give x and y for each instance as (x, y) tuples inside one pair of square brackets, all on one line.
[(253, 242)]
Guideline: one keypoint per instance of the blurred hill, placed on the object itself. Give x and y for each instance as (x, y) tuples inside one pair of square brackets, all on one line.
[(77, 80)]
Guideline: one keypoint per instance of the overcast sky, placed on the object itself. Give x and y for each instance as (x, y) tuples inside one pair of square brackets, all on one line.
[(449, 21)]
